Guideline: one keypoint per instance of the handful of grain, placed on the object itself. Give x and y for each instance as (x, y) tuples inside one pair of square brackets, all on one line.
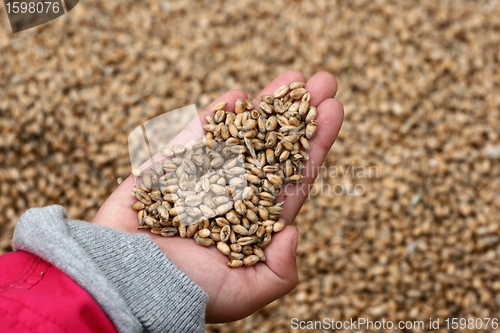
[(221, 189)]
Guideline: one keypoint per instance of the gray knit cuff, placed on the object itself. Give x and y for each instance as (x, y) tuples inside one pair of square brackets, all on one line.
[(127, 274)]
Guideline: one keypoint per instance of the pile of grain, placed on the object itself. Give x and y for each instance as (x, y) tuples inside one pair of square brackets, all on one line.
[(403, 222)]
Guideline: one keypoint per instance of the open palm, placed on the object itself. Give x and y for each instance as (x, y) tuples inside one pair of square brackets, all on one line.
[(236, 293)]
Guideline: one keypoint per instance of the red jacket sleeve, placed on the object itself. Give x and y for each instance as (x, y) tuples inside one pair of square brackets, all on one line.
[(37, 297)]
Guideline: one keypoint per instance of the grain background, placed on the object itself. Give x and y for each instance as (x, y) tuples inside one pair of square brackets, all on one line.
[(404, 221)]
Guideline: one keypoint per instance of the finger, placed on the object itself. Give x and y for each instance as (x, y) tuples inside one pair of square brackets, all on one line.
[(329, 121), (283, 79), (230, 97), (279, 275), (269, 280), (321, 86)]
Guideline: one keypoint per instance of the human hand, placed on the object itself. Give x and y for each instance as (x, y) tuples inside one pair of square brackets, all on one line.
[(237, 293)]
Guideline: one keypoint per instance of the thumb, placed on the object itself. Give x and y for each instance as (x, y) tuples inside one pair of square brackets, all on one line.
[(280, 255), (279, 274)]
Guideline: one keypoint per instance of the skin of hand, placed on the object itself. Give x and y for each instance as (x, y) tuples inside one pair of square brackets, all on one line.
[(235, 293)]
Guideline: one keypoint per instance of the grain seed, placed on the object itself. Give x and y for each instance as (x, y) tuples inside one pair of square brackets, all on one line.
[(223, 248), (281, 91), (235, 263), (251, 260), (297, 84)]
